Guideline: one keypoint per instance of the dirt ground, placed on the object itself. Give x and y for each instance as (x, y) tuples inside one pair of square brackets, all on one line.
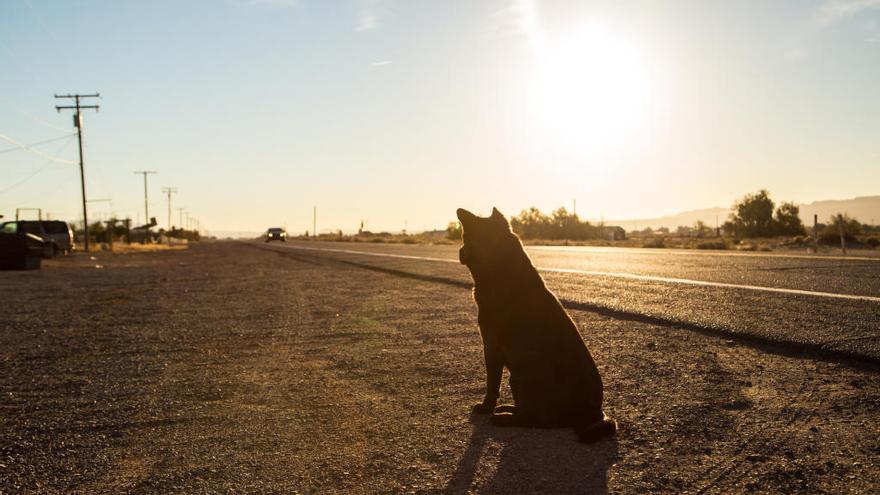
[(228, 368)]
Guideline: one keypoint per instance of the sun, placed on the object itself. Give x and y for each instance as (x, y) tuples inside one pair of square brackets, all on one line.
[(592, 91)]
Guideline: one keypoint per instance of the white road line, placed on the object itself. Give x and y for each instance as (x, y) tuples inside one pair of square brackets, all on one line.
[(685, 281), (630, 276)]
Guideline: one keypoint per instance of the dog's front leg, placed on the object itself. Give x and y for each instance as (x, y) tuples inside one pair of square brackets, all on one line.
[(494, 368)]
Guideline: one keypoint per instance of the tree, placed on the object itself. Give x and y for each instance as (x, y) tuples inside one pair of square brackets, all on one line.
[(532, 224), (788, 220), (752, 216)]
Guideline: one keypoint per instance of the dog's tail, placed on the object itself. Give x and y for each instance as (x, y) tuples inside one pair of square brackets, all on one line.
[(596, 431)]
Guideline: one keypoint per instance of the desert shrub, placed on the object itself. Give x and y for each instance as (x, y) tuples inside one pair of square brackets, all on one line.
[(654, 243), (712, 245), (830, 233)]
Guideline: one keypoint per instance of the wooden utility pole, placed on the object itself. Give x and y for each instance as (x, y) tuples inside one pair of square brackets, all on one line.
[(111, 226), (169, 191), (147, 221), (145, 173), (77, 122)]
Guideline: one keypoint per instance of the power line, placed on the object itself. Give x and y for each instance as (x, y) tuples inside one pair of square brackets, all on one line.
[(38, 143), (44, 166), (36, 151), (31, 116)]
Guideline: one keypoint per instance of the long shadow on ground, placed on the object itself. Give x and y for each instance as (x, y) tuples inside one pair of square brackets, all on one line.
[(551, 461)]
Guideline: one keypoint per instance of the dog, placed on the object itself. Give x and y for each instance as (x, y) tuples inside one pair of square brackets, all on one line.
[(553, 378)]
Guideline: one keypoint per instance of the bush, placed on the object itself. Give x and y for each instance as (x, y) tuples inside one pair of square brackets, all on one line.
[(830, 233), (712, 245), (655, 243)]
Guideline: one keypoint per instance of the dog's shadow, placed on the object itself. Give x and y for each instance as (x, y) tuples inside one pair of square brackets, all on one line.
[(531, 461)]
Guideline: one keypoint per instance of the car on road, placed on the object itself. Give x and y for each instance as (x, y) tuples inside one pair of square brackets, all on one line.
[(276, 234), (58, 235)]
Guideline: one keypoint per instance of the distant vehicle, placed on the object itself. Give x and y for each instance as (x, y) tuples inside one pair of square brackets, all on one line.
[(57, 235), (276, 234), (18, 249)]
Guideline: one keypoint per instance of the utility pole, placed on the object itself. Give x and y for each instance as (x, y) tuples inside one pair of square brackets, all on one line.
[(77, 122), (180, 219), (314, 220), (169, 191), (146, 206)]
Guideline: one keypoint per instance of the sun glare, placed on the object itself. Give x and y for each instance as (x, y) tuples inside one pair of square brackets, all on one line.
[(592, 91)]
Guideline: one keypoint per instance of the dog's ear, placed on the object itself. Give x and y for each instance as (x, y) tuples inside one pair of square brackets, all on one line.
[(465, 217), (498, 216)]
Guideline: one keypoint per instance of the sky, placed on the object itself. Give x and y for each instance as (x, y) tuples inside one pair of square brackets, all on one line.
[(397, 112)]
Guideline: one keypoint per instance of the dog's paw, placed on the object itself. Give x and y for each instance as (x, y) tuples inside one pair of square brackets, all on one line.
[(483, 408)]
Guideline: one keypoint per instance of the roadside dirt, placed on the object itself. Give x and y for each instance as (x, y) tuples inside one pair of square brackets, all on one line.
[(230, 368)]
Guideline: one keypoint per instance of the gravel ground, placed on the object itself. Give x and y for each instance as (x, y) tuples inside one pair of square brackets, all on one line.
[(229, 368)]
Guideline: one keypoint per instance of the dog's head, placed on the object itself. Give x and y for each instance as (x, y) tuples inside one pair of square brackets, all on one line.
[(488, 241)]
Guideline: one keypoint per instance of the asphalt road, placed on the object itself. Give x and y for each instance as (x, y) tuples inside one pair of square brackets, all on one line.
[(828, 305)]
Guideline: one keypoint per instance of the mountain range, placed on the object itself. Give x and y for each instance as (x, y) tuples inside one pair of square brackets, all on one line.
[(865, 209)]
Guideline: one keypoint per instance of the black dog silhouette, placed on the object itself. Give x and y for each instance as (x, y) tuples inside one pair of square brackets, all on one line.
[(553, 378)]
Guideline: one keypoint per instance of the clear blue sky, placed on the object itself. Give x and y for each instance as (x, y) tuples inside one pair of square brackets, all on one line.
[(398, 112)]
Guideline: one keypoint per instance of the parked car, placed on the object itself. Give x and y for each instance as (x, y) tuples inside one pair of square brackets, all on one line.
[(18, 249), (276, 234), (57, 235)]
